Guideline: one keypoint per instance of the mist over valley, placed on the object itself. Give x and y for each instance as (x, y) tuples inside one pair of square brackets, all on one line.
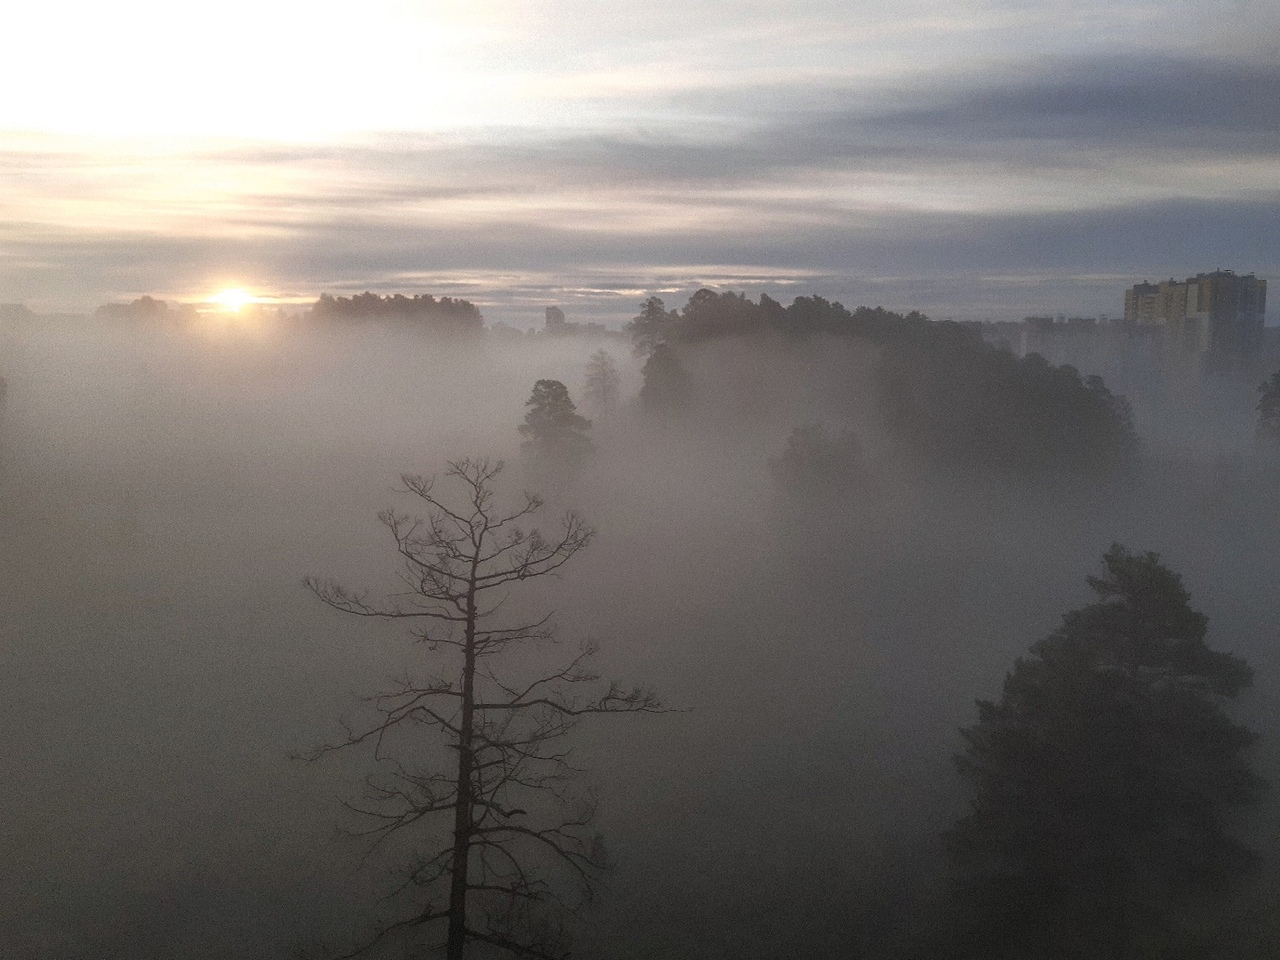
[(821, 622)]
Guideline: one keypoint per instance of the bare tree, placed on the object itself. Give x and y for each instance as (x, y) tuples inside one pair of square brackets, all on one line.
[(508, 788)]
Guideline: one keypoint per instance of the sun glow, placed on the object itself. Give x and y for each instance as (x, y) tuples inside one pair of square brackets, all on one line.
[(233, 299)]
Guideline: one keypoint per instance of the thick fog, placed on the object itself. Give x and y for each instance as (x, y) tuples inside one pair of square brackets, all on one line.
[(165, 491)]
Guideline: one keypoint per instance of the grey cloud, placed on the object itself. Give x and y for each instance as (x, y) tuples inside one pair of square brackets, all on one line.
[(1071, 108), (1004, 266), (1059, 112), (361, 224), (1200, 103)]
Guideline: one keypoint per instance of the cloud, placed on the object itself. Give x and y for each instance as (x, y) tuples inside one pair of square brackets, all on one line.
[(1062, 167), (1050, 115), (963, 265), (1159, 102)]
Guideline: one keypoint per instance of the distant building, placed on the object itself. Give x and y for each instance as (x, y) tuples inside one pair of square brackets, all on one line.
[(1214, 318), (1140, 304), (557, 326)]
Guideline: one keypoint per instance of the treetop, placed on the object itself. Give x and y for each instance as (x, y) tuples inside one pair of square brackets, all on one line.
[(1143, 624)]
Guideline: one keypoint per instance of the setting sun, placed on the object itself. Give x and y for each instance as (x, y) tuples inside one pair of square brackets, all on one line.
[(233, 299)]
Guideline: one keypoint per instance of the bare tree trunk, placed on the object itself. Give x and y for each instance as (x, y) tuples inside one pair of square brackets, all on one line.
[(462, 812), (504, 731)]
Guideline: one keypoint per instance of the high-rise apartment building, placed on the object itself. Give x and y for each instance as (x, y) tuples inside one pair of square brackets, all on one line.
[(1140, 304), (1216, 317)]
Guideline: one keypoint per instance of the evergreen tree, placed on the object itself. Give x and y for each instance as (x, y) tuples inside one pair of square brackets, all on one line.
[(666, 385), (652, 326), (555, 432), (602, 382), (1102, 778)]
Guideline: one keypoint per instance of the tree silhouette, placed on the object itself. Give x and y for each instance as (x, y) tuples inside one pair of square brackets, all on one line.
[(955, 400), (506, 792), (602, 382), (709, 315), (652, 326), (1102, 776), (1269, 409), (665, 389), (817, 461), (446, 316), (555, 433)]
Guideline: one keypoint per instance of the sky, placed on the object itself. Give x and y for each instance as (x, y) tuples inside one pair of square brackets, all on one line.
[(973, 159)]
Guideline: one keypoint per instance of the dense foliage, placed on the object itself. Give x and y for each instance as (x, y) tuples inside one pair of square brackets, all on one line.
[(665, 389), (448, 316), (553, 430), (965, 403), (1102, 779), (953, 399)]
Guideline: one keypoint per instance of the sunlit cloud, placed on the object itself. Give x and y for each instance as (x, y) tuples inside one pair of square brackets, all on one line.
[(310, 146)]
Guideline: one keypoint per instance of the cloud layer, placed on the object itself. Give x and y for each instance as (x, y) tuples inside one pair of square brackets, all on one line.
[(1004, 190)]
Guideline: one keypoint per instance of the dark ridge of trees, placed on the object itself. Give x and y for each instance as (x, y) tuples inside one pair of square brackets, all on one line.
[(146, 309), (447, 315), (496, 834), (953, 399), (709, 315), (1102, 780), (981, 407)]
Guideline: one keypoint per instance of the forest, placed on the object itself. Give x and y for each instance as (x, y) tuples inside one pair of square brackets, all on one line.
[(748, 631)]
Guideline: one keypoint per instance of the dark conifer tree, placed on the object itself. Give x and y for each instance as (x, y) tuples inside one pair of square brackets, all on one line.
[(665, 390), (1103, 778), (652, 326), (554, 432)]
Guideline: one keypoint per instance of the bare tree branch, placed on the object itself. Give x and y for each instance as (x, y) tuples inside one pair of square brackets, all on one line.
[(510, 770)]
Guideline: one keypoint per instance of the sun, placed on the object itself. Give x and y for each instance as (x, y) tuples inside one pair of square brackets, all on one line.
[(233, 299)]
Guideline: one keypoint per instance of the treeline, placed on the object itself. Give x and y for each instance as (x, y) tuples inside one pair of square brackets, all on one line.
[(953, 399), (147, 309), (950, 399), (446, 316)]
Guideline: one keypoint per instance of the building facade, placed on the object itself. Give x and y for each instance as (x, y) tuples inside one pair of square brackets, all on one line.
[(1213, 318)]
